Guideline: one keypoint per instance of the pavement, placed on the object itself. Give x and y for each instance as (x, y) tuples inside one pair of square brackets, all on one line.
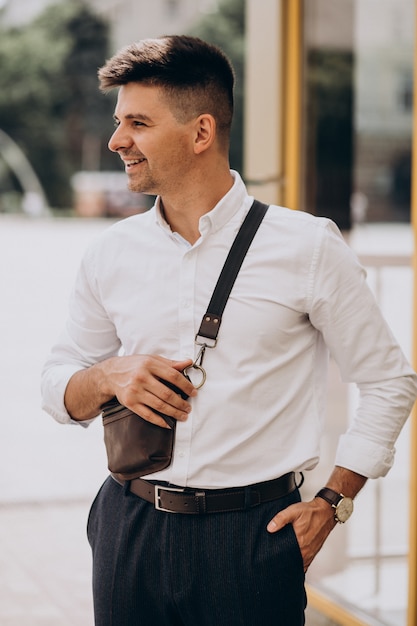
[(45, 565), (50, 473)]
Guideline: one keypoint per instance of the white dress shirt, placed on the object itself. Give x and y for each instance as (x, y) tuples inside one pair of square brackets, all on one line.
[(300, 293)]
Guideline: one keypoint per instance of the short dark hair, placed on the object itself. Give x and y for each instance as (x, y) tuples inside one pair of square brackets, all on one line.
[(195, 76)]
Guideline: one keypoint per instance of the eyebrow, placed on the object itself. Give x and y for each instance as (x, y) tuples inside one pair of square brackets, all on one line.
[(134, 116)]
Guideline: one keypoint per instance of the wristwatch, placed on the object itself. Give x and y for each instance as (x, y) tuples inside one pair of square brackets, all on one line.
[(342, 505)]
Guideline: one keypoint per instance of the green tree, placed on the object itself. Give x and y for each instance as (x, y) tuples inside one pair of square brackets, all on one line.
[(49, 101), (226, 28)]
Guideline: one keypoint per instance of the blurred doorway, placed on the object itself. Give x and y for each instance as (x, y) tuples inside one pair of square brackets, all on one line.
[(357, 110)]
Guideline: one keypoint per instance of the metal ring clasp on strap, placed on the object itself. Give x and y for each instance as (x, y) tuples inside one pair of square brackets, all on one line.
[(197, 365), (202, 371)]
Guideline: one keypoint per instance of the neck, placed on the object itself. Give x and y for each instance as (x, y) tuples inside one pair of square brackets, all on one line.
[(183, 211)]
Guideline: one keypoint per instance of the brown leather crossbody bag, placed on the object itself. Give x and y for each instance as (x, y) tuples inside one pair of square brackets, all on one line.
[(136, 447)]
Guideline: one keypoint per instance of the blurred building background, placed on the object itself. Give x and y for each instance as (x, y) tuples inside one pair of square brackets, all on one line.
[(356, 92), (324, 123)]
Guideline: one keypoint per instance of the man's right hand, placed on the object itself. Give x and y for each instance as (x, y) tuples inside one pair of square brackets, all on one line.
[(137, 382)]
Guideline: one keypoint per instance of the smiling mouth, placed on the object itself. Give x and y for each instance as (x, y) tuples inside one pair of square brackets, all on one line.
[(132, 162)]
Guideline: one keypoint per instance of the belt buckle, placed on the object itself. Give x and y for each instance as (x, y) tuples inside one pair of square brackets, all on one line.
[(159, 488)]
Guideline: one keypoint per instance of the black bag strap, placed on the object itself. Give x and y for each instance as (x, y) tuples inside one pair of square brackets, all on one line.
[(210, 324)]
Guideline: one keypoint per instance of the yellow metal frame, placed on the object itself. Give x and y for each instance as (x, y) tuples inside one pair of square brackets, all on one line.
[(291, 36), (332, 610), (412, 559)]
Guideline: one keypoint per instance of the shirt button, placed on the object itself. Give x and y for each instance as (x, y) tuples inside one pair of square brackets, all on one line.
[(181, 454), (186, 304)]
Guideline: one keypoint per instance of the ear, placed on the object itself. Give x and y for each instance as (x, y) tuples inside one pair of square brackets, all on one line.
[(205, 132)]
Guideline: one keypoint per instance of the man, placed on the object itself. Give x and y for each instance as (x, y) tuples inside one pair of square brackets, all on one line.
[(143, 287)]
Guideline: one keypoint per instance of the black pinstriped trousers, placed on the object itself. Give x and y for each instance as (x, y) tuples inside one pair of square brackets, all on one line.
[(152, 568)]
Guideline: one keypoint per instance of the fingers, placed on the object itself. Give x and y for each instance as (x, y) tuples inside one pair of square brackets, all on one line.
[(311, 522), (280, 520), (168, 400), (152, 386), (181, 365), (171, 373)]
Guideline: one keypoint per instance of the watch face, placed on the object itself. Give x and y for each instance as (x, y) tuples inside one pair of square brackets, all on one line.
[(344, 510)]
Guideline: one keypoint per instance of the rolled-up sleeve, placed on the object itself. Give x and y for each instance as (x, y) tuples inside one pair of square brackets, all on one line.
[(88, 338), (344, 309), (55, 378)]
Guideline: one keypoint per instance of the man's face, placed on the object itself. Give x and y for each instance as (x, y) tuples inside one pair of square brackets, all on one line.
[(155, 148)]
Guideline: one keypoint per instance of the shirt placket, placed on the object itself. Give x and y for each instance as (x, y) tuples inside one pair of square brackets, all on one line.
[(186, 304)]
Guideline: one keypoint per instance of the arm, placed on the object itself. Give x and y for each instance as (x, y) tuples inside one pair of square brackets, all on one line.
[(344, 310), (84, 368), (313, 521), (136, 382)]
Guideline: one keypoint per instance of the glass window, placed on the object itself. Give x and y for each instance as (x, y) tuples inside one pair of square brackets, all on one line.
[(357, 118), (358, 91)]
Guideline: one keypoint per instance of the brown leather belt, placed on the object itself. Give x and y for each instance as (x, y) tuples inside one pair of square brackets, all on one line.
[(200, 501)]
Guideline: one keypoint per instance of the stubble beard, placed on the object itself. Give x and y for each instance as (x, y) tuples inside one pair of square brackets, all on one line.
[(143, 185)]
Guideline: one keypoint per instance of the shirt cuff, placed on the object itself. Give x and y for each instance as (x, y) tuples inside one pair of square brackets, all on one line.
[(363, 456), (53, 392)]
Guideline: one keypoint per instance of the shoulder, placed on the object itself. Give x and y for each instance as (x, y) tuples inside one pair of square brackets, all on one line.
[(125, 231), (123, 242), (133, 224), (296, 219), (298, 228)]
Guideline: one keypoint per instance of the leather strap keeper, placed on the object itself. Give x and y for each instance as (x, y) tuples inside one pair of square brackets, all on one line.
[(209, 327), (200, 501)]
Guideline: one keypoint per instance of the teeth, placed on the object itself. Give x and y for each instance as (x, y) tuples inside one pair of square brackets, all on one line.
[(133, 161)]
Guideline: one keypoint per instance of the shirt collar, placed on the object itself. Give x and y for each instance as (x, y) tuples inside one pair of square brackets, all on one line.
[(224, 210)]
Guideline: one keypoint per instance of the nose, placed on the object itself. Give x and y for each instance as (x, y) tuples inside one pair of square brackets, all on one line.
[(119, 140)]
